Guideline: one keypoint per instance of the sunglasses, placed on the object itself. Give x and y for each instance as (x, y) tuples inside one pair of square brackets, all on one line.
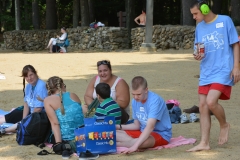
[(104, 62), (64, 85)]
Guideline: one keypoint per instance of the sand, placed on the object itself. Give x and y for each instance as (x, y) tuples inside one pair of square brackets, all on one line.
[(169, 73)]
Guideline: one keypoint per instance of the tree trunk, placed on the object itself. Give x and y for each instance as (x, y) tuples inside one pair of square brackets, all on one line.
[(130, 10), (91, 11), (84, 13), (187, 16), (76, 11), (17, 15), (216, 6), (51, 14), (35, 15), (235, 9)]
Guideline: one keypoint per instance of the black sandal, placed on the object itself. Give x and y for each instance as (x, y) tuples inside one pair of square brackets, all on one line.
[(43, 153)]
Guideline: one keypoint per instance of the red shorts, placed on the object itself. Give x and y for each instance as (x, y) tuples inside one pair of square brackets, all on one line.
[(224, 89), (159, 141)]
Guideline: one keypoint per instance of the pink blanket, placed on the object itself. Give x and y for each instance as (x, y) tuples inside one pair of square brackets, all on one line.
[(174, 142)]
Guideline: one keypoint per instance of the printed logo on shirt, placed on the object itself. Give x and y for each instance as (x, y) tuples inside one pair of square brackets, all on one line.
[(213, 41), (141, 109), (142, 117), (219, 25)]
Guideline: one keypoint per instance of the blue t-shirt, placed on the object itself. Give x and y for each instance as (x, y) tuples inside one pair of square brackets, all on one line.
[(218, 37), (32, 92), (72, 119), (155, 107)]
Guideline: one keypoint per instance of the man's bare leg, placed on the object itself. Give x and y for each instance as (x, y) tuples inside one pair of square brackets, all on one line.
[(205, 125), (124, 140), (218, 111)]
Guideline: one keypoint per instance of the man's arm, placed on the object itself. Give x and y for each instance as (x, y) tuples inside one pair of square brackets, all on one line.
[(133, 126), (144, 135), (235, 72)]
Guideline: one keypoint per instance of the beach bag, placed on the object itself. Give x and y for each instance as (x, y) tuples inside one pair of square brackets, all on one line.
[(92, 108), (174, 110), (33, 129)]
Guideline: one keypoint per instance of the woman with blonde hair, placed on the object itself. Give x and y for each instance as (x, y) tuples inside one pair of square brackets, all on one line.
[(65, 115)]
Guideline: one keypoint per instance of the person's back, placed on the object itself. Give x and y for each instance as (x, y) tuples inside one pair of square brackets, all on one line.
[(108, 106), (72, 119), (141, 18)]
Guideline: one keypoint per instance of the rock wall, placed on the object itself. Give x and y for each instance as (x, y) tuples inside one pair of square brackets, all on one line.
[(83, 38), (103, 38), (167, 36)]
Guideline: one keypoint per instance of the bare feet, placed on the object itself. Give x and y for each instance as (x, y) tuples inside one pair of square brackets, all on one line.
[(199, 147), (223, 136)]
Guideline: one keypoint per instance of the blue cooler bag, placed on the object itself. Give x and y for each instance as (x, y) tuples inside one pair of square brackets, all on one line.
[(98, 135)]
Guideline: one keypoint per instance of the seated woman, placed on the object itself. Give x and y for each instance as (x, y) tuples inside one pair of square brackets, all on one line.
[(64, 112), (119, 88), (34, 94), (54, 41)]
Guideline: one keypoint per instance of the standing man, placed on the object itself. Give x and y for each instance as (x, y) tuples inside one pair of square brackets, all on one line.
[(141, 18), (151, 127), (219, 68)]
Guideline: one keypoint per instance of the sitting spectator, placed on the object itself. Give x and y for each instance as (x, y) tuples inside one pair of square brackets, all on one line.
[(64, 112), (34, 93), (54, 41), (152, 126), (108, 106), (119, 88)]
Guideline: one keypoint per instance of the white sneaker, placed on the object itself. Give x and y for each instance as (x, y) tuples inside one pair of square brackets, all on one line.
[(184, 118), (193, 118)]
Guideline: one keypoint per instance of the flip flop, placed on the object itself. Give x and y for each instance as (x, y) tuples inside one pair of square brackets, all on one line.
[(43, 153)]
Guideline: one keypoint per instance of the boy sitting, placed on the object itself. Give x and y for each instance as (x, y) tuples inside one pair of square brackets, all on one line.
[(152, 126), (107, 107)]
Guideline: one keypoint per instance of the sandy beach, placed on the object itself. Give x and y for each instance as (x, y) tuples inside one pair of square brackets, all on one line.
[(169, 73)]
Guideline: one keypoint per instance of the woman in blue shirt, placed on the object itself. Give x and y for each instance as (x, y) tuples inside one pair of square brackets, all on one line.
[(34, 94)]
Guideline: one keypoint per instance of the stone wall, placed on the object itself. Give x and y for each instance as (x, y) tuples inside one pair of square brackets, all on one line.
[(167, 36), (83, 38), (103, 38)]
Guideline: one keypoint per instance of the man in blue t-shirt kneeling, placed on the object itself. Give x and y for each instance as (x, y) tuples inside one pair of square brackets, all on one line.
[(152, 126)]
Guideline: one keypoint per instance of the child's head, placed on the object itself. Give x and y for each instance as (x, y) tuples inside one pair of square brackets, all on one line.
[(103, 90)]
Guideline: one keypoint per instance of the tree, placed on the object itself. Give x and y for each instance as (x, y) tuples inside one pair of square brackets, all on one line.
[(186, 15), (51, 14), (35, 14), (216, 6), (235, 8), (17, 15), (130, 10), (91, 11), (84, 13), (76, 11)]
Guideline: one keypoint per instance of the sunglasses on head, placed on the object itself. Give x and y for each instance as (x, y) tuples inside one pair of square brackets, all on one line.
[(106, 62)]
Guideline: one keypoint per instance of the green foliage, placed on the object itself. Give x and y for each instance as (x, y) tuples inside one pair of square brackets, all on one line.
[(7, 22), (165, 12)]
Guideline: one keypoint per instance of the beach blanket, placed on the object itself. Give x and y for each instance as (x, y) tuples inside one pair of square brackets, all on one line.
[(4, 125), (174, 142)]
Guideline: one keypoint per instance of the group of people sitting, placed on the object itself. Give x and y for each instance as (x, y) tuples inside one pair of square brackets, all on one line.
[(150, 126)]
